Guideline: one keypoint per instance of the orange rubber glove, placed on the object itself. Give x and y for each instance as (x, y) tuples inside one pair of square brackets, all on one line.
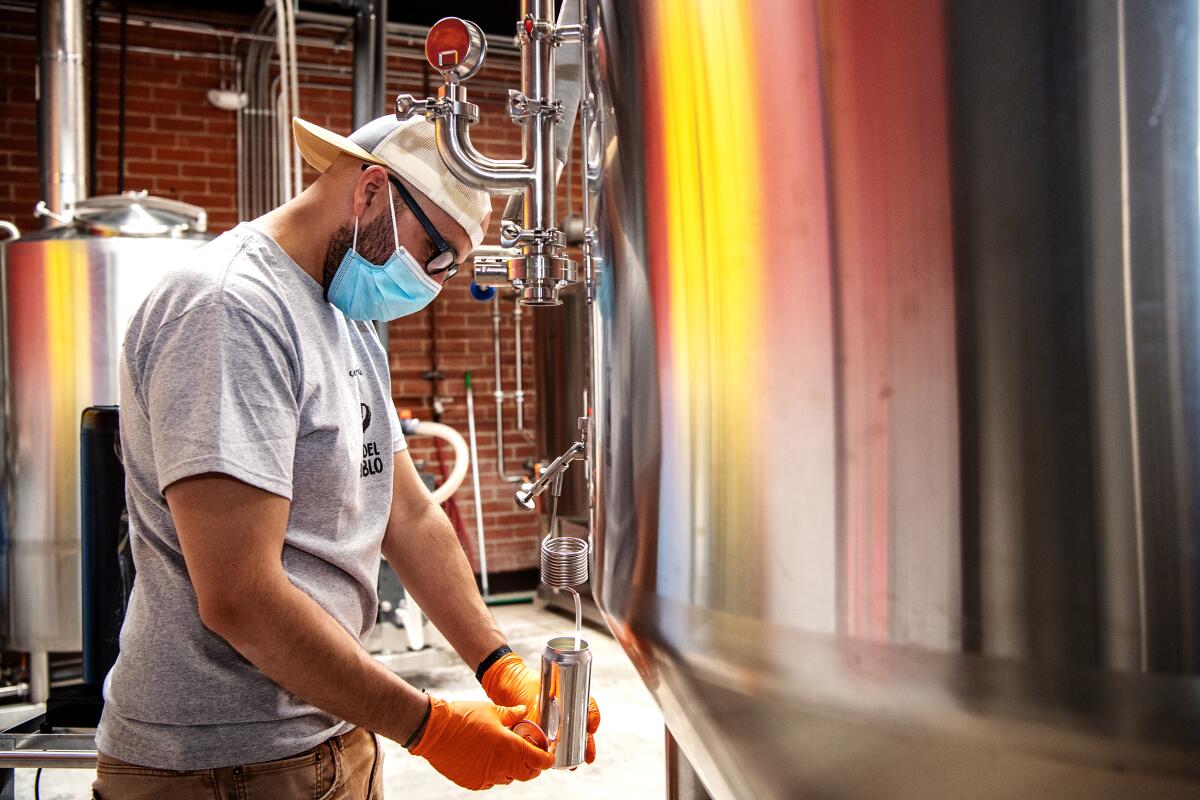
[(509, 682), (471, 744)]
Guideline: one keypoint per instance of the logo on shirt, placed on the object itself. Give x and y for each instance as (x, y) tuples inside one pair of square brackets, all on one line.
[(372, 462)]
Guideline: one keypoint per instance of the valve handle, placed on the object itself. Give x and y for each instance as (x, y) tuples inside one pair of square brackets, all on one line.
[(482, 293)]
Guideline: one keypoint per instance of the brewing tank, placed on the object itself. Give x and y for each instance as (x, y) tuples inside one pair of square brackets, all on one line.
[(895, 367), (69, 292)]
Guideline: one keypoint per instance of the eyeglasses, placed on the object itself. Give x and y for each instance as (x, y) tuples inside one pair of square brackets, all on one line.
[(443, 258)]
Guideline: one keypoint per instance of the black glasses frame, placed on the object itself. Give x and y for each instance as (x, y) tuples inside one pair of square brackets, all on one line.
[(440, 245)]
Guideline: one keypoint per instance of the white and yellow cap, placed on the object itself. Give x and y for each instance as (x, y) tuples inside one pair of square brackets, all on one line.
[(407, 148)]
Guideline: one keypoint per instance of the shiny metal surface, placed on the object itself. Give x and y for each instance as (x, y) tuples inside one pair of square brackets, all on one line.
[(566, 679), (138, 214), (896, 442), (498, 393), (62, 121), (552, 474), (67, 302), (542, 269), (46, 759), (69, 750)]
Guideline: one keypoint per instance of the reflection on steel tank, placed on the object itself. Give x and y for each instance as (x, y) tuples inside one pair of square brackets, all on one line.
[(897, 391), (69, 294)]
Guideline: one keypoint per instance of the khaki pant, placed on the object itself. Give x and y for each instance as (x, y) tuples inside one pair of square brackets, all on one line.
[(346, 767)]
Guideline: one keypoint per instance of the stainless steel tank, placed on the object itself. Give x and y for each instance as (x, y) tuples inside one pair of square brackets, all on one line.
[(68, 295), (897, 391)]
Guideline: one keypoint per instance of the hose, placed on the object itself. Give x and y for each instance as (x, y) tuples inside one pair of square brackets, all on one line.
[(461, 457)]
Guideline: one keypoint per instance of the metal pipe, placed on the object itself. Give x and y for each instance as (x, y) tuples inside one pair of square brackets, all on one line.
[(93, 103), (122, 90), (62, 118), (586, 112), (283, 103), (47, 759), (17, 690), (365, 40), (239, 119), (294, 86), (481, 546), (498, 395), (468, 164), (537, 141), (519, 394), (379, 101)]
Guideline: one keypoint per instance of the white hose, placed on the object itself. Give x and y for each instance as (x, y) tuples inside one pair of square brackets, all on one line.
[(461, 457)]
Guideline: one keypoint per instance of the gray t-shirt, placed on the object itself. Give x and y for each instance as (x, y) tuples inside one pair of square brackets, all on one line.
[(236, 364)]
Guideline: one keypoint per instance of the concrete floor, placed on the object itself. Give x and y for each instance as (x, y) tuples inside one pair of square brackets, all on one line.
[(629, 763)]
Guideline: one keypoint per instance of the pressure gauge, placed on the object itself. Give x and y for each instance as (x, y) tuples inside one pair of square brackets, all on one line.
[(455, 48)]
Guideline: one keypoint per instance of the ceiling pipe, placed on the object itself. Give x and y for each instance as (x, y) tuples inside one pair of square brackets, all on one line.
[(370, 61), (61, 96)]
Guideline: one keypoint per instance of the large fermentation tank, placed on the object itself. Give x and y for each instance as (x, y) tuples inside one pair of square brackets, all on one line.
[(68, 295), (897, 391)]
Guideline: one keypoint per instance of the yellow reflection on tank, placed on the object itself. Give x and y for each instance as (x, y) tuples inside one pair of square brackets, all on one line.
[(715, 236), (68, 327)]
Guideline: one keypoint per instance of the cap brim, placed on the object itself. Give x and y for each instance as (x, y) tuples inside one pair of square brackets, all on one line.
[(320, 146)]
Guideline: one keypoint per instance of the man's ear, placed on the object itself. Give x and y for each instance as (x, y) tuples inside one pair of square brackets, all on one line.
[(368, 189)]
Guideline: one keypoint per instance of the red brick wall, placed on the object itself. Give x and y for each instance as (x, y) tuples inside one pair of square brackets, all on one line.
[(18, 120), (179, 146)]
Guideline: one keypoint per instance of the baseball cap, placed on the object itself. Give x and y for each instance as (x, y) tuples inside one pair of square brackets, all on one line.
[(409, 149)]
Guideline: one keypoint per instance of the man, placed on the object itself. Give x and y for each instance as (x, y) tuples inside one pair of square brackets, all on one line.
[(266, 472)]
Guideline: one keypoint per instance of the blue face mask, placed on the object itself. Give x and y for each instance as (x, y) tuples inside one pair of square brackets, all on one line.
[(396, 288)]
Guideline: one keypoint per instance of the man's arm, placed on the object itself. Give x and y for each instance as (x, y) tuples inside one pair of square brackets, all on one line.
[(421, 547), (232, 538)]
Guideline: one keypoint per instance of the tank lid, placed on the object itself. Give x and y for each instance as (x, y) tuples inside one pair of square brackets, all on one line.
[(138, 214)]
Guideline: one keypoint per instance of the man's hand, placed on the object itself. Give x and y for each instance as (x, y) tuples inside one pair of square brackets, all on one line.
[(509, 682), (471, 744)]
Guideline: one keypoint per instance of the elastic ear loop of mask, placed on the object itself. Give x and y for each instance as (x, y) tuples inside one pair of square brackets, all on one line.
[(395, 232)]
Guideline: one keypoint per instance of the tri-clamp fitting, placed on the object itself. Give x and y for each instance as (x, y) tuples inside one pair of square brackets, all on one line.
[(456, 48)]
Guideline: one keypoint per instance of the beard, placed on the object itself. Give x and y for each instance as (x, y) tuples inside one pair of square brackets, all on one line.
[(375, 243)]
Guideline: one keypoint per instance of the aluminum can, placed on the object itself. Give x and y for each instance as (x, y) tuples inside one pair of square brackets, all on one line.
[(563, 701)]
